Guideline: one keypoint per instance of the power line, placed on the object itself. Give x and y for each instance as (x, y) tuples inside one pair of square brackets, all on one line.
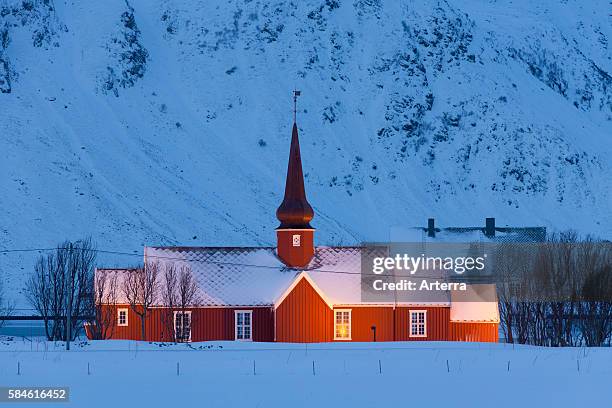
[(111, 252), (28, 250)]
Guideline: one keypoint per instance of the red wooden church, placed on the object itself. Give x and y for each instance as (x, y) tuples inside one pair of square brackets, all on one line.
[(294, 292)]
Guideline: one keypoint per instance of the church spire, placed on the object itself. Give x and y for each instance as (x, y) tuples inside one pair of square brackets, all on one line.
[(295, 236), (295, 211)]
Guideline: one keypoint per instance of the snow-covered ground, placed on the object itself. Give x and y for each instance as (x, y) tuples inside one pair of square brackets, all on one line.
[(221, 374)]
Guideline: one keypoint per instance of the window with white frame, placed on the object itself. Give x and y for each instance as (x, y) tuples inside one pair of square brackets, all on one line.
[(342, 326), (244, 325), (418, 323), (122, 317), (182, 326), (296, 240)]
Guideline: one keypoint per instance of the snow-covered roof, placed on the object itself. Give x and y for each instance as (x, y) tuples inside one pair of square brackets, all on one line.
[(247, 276), (336, 271), (230, 276), (468, 234)]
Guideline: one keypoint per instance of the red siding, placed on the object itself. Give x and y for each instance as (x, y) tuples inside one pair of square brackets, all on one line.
[(363, 318), (303, 317), (438, 319), (483, 332), (295, 256), (219, 324), (394, 325), (206, 324)]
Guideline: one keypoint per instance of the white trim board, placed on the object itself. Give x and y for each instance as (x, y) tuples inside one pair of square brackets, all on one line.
[(350, 324), (250, 325), (127, 313), (410, 312), (183, 312)]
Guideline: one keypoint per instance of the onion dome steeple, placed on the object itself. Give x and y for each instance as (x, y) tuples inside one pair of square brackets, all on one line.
[(295, 236), (295, 211)]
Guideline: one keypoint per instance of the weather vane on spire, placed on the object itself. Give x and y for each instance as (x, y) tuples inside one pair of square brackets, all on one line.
[(296, 93)]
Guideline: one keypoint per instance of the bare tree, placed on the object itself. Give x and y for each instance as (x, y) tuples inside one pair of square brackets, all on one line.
[(105, 295), (505, 279), (38, 291), (6, 306), (569, 274), (595, 306), (595, 310), (61, 287), (141, 290), (508, 260), (186, 296), (558, 295), (169, 295), (81, 267), (514, 264)]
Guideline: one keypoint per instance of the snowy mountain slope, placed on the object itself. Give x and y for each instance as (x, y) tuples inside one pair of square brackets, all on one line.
[(168, 121)]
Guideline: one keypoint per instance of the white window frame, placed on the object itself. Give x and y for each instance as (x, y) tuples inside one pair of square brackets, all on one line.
[(119, 311), (250, 326), (417, 323), (186, 312), (350, 324), (296, 240)]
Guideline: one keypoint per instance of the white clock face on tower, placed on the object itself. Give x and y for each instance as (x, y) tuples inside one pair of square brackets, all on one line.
[(296, 240)]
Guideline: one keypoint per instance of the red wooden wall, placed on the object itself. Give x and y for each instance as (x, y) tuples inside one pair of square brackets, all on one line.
[(303, 317), (363, 318), (295, 256), (483, 332), (438, 319), (206, 324), (394, 325), (219, 324)]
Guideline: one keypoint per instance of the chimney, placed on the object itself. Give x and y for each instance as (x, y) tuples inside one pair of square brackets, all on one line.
[(490, 227), (431, 228)]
